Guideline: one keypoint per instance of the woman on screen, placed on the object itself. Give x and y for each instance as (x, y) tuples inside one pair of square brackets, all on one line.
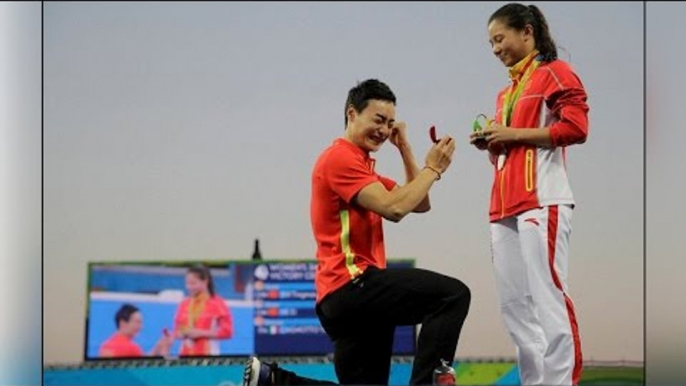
[(203, 317)]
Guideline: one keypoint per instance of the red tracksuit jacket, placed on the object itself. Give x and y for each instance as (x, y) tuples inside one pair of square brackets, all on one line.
[(534, 176)]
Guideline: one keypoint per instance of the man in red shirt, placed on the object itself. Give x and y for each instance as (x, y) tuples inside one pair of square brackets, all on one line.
[(359, 301), (129, 322)]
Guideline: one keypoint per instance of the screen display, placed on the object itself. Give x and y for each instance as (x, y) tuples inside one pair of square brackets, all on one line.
[(144, 309)]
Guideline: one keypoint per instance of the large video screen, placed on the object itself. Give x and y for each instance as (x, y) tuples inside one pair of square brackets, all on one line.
[(144, 309)]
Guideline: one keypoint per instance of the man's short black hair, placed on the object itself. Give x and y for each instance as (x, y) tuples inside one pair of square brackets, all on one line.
[(360, 95), (124, 313)]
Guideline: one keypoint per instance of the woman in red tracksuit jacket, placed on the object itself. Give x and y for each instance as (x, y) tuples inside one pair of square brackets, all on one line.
[(541, 112), (203, 317)]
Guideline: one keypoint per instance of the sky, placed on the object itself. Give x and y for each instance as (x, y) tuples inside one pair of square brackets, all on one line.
[(178, 131)]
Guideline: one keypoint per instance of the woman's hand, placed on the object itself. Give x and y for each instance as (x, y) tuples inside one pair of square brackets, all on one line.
[(195, 333), (477, 139), (496, 133)]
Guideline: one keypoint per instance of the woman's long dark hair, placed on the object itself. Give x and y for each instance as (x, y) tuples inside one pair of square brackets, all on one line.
[(203, 273), (517, 16)]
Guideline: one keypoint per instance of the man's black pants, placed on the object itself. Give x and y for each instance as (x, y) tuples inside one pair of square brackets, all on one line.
[(361, 316)]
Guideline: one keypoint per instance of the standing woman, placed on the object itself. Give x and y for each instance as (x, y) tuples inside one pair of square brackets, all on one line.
[(541, 112), (202, 317)]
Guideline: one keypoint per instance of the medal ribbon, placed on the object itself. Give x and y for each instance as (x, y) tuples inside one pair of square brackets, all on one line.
[(525, 67)]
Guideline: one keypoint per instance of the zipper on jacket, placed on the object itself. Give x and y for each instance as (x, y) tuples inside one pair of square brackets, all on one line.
[(529, 170)]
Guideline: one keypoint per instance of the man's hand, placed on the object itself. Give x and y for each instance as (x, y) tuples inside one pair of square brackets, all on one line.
[(398, 135), (163, 345), (441, 154)]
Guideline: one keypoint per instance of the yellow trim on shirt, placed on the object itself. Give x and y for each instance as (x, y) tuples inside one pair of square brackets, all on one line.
[(345, 245)]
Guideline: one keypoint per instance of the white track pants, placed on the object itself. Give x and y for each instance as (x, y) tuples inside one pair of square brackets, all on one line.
[(530, 257)]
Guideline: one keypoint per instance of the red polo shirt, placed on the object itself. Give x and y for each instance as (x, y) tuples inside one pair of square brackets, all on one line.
[(349, 237), (120, 345)]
